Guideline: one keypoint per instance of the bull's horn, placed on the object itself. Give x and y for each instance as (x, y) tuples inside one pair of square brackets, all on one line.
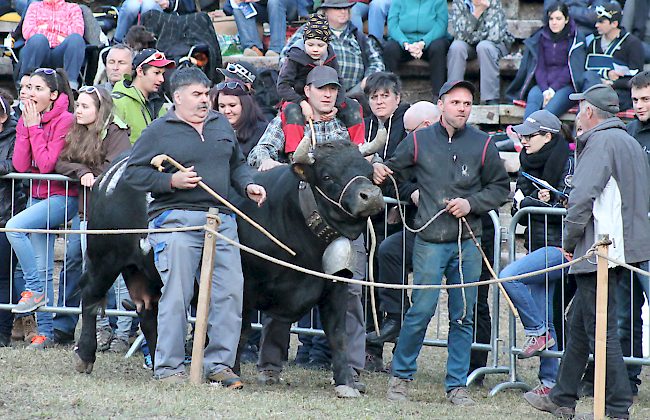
[(302, 154), (376, 144)]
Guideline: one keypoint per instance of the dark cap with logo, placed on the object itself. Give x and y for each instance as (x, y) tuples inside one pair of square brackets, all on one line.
[(323, 75), (541, 120), (609, 11), (458, 83), (601, 96)]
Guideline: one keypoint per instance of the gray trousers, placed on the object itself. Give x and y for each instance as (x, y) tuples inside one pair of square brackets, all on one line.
[(275, 334), (488, 58), (178, 260)]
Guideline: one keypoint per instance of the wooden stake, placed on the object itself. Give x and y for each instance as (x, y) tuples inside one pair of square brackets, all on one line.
[(600, 348), (203, 306)]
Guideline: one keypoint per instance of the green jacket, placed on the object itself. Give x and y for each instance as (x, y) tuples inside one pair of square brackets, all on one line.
[(132, 108), (417, 20)]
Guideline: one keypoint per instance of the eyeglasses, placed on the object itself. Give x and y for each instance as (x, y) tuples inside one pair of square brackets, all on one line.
[(46, 71), (241, 71), (153, 57), (530, 136), (233, 85), (90, 90), (416, 127)]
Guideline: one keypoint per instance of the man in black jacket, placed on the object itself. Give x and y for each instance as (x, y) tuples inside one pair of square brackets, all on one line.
[(203, 141), (459, 175)]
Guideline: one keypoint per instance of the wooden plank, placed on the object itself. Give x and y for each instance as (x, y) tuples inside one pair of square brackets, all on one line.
[(484, 114), (513, 114), (7, 27), (272, 63), (420, 68), (522, 29)]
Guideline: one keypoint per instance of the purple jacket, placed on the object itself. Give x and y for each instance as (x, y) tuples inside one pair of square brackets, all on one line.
[(553, 60)]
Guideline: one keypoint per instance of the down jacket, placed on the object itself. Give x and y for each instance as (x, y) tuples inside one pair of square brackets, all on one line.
[(61, 19)]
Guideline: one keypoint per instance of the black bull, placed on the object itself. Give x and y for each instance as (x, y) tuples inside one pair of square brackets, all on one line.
[(339, 171)]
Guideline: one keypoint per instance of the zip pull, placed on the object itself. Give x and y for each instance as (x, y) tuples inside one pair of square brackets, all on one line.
[(449, 140), (454, 158)]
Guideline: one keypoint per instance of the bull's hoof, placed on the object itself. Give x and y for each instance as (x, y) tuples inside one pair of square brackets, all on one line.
[(81, 366), (344, 391)]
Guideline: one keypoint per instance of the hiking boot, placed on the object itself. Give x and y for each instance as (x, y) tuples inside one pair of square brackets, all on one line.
[(373, 363), (535, 345), (40, 342), (18, 331), (148, 362), (119, 345), (460, 397), (227, 378), (269, 377), (544, 403), (5, 340), (63, 338), (398, 389), (253, 52), (30, 327), (356, 381), (104, 338), (389, 332), (29, 302), (175, 379)]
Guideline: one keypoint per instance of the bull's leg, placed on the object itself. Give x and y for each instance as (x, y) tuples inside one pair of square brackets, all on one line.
[(149, 326), (93, 296), (332, 314)]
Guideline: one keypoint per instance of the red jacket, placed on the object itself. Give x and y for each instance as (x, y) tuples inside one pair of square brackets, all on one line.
[(60, 18), (38, 147)]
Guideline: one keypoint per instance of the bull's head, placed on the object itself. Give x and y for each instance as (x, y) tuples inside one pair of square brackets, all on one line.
[(341, 180)]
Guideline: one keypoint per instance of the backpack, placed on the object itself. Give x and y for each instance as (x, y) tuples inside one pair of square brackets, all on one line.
[(266, 91)]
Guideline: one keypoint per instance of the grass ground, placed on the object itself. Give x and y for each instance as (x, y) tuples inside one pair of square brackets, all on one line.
[(45, 385)]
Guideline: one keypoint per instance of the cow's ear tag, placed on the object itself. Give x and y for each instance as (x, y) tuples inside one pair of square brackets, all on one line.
[(297, 168)]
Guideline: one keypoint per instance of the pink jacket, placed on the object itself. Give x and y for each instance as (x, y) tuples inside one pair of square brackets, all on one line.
[(60, 17), (38, 147)]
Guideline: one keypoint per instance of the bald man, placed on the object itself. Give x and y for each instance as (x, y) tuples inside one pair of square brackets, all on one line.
[(390, 257)]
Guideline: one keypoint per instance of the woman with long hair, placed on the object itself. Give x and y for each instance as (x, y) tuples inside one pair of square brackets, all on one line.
[(553, 64), (235, 100), (96, 138), (546, 156)]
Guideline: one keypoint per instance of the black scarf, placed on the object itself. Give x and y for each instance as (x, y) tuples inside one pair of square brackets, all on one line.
[(549, 162), (556, 37)]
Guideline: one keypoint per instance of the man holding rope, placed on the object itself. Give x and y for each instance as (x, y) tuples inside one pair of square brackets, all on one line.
[(610, 196), (459, 175), (204, 141)]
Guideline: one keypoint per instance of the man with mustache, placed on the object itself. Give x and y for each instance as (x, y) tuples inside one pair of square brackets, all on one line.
[(136, 97), (203, 141)]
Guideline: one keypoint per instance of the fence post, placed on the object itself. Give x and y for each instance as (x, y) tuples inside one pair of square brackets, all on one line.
[(203, 306), (600, 348)]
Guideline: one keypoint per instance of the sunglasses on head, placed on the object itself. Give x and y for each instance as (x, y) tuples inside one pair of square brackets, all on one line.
[(602, 13), (46, 71), (90, 90), (233, 85), (153, 57), (240, 70)]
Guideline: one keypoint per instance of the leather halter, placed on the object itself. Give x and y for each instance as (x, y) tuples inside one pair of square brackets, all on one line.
[(313, 218)]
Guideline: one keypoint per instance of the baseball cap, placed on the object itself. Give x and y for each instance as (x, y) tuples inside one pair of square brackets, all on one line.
[(152, 57), (601, 96), (243, 71), (610, 11), (539, 121), (458, 83), (335, 4), (323, 75)]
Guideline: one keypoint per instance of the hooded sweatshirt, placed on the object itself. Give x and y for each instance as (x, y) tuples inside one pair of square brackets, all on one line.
[(59, 17), (610, 195), (38, 147), (132, 108), (395, 127)]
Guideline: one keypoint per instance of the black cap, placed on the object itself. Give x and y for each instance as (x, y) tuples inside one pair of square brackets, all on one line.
[(458, 83), (538, 121), (335, 4), (323, 75), (609, 11), (601, 96), (242, 70)]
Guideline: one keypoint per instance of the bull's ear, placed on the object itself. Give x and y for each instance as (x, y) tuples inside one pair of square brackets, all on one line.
[(299, 169)]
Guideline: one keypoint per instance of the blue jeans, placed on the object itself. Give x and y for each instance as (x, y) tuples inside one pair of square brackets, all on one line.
[(533, 298), (430, 262), (36, 256), (630, 293), (375, 13), (69, 290), (249, 36), (69, 54), (558, 105), (129, 15), (279, 12)]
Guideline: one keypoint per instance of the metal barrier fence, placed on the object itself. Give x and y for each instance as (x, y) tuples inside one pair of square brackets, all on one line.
[(514, 381)]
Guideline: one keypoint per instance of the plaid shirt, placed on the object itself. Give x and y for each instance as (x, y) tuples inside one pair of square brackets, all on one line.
[(348, 54), (271, 144)]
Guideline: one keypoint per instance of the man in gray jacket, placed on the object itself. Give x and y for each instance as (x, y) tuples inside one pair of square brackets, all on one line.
[(611, 169)]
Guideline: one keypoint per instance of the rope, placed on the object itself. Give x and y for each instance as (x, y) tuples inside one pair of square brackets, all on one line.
[(371, 273), (105, 231), (622, 264), (401, 212)]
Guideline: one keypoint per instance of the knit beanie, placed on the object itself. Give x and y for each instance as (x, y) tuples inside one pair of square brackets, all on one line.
[(317, 28)]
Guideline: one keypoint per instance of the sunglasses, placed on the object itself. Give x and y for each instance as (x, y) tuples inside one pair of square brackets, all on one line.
[(46, 71), (232, 85), (153, 57), (241, 71), (90, 90), (602, 13)]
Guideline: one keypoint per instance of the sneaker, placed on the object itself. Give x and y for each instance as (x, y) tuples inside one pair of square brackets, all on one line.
[(356, 381), (271, 53), (148, 362), (18, 330), (29, 302), (104, 338), (398, 389), (30, 327), (227, 378), (373, 363), (538, 391), (534, 345), (544, 403), (175, 379), (269, 377), (253, 52), (40, 342), (460, 397), (63, 338), (119, 345)]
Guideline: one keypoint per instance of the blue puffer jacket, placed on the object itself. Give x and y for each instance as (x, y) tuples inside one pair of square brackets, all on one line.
[(525, 78)]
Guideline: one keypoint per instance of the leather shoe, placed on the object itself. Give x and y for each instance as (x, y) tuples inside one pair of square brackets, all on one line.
[(389, 331)]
